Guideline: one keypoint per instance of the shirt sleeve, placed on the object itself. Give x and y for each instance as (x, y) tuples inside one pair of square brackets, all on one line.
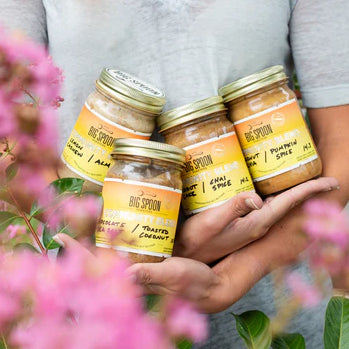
[(319, 34), (27, 16)]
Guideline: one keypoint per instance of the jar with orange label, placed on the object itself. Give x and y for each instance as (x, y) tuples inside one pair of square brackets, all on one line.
[(122, 106), (276, 142), (215, 168), (142, 194)]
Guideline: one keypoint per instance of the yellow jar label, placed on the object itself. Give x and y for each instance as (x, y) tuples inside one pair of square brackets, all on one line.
[(141, 216), (275, 141), (215, 171), (90, 143)]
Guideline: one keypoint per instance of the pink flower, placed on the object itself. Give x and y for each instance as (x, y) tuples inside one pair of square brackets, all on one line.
[(81, 213), (307, 295), (184, 321), (326, 221), (328, 256), (77, 302), (3, 205), (9, 308), (328, 227), (27, 70), (47, 197), (112, 234), (88, 206), (33, 180), (8, 125), (15, 230), (47, 136)]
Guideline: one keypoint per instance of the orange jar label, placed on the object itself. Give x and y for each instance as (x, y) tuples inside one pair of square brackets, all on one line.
[(90, 143), (142, 216), (275, 141), (215, 171)]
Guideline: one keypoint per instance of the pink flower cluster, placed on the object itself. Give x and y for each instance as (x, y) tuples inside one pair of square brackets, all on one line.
[(81, 301), (306, 295), (27, 70), (80, 213), (328, 227), (12, 231), (29, 91)]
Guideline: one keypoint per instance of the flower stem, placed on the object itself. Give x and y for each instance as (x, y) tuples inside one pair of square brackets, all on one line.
[(4, 341), (35, 102), (29, 225)]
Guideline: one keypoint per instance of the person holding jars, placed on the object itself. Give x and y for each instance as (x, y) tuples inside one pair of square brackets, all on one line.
[(190, 49)]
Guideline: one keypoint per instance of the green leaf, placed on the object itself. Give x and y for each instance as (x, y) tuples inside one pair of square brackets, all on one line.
[(70, 185), (11, 171), (288, 341), (254, 328), (184, 344), (25, 246), (151, 301), (47, 240), (36, 209), (7, 218), (337, 324)]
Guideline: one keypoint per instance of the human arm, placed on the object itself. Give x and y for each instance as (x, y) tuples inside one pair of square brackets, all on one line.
[(319, 37), (214, 289), (283, 243)]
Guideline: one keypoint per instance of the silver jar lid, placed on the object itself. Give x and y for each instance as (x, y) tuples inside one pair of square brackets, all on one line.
[(131, 90), (252, 83), (190, 112), (149, 149)]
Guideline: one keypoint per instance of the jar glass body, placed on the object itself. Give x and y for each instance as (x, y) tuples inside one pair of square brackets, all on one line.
[(215, 168), (270, 124), (101, 121), (141, 198)]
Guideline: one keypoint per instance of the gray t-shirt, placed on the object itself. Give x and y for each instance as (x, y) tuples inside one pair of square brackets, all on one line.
[(190, 48)]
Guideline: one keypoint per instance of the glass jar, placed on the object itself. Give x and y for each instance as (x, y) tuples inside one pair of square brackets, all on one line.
[(142, 195), (215, 168), (122, 106), (278, 147)]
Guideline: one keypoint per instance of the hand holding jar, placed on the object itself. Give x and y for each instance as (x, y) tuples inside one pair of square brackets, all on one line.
[(231, 230), (215, 288)]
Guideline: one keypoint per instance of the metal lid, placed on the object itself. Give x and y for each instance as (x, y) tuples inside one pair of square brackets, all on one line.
[(131, 90), (154, 150), (190, 112), (252, 82)]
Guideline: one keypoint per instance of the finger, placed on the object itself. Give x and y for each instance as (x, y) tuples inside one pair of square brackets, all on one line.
[(200, 228), (254, 225), (218, 217), (284, 202), (180, 276), (70, 244), (152, 274)]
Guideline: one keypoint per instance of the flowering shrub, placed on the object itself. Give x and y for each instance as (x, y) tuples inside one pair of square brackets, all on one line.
[(79, 299), (327, 227)]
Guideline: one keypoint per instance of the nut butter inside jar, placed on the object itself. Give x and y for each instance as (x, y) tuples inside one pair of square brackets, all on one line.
[(278, 147), (142, 195), (215, 168), (122, 106)]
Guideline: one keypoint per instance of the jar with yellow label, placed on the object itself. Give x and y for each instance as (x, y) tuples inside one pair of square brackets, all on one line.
[(278, 147), (122, 106), (142, 194), (215, 168)]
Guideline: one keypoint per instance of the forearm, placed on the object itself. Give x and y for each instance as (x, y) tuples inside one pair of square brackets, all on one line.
[(284, 241), (330, 127)]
